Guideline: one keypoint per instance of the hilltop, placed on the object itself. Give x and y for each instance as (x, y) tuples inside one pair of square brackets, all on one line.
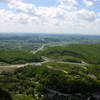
[(74, 53)]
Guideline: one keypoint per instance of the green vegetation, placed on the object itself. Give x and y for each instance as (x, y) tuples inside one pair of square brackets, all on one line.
[(74, 53), (70, 72), (31, 42), (71, 59), (4, 95), (18, 57), (34, 82)]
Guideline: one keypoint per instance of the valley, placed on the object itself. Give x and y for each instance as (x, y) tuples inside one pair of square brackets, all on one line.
[(51, 72)]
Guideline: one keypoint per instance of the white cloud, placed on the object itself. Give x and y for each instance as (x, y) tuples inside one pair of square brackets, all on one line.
[(4, 1), (61, 19), (99, 14), (86, 15), (7, 1), (88, 2), (10, 18), (68, 4), (22, 7)]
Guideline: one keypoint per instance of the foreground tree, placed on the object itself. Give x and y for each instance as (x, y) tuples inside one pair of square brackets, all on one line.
[(4, 95)]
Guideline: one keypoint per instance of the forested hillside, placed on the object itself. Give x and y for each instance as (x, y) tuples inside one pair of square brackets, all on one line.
[(59, 73), (44, 83), (18, 57), (74, 53)]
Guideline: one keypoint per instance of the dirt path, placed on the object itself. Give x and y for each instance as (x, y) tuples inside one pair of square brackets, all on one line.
[(40, 63), (39, 49), (58, 93), (80, 64), (52, 60), (56, 69)]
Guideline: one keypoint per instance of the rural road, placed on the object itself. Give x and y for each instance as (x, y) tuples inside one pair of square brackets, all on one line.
[(40, 63), (22, 65), (39, 49)]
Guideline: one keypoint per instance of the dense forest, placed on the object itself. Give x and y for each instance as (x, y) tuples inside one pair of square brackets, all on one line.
[(18, 57), (74, 53), (42, 83), (63, 72)]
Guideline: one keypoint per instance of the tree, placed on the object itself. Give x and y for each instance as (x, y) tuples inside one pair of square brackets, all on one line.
[(4, 95)]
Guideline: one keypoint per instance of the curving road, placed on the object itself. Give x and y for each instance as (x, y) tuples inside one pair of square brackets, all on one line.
[(39, 49), (40, 63)]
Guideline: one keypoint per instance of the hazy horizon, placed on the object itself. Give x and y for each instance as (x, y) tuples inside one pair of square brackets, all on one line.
[(30, 33)]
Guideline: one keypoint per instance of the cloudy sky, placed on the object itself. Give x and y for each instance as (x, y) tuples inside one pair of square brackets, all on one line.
[(50, 16)]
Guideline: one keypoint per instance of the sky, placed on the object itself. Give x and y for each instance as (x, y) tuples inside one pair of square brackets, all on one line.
[(50, 16)]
